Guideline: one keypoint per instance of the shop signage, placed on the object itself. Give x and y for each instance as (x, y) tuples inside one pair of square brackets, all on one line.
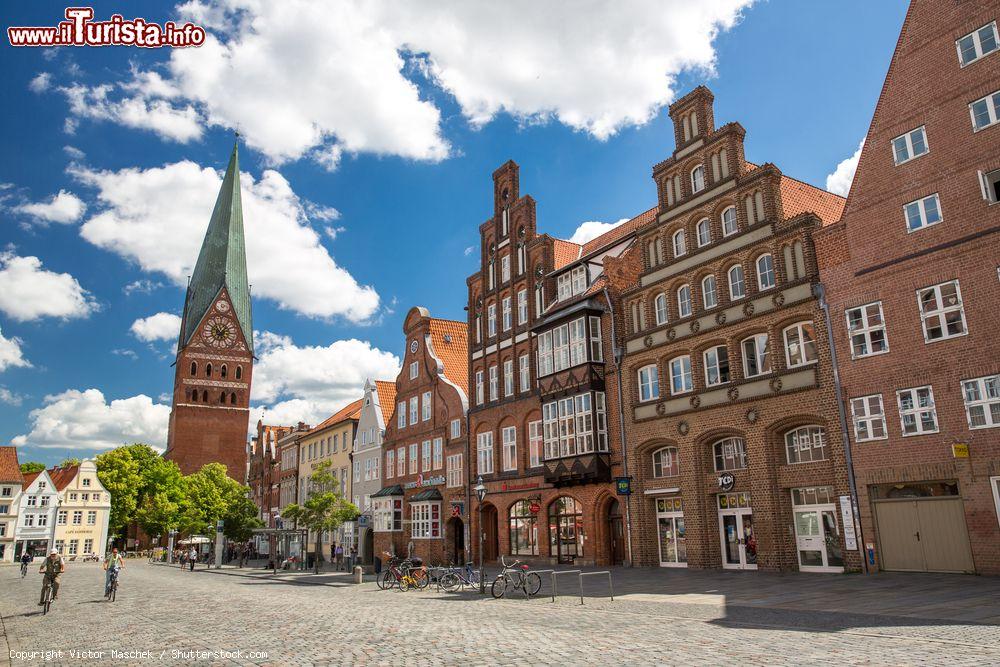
[(457, 509), (424, 481), (960, 450), (847, 514), (363, 521), (623, 485), (535, 508), (519, 487), (727, 481)]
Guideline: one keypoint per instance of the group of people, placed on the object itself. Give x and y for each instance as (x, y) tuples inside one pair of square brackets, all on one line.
[(54, 565), (186, 557), (337, 556)]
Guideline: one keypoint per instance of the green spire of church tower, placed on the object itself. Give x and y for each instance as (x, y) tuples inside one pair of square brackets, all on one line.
[(222, 262)]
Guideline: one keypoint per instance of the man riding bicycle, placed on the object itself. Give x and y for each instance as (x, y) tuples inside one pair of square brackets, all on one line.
[(112, 565), (25, 559), (52, 567)]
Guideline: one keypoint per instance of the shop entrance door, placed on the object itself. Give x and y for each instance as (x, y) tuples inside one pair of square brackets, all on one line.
[(670, 532), (616, 534), (817, 539), (739, 546)]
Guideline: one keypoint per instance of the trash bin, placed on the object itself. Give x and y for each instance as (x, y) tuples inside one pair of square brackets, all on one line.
[(378, 565)]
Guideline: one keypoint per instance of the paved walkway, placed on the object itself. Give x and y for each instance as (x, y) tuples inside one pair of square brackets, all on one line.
[(657, 617)]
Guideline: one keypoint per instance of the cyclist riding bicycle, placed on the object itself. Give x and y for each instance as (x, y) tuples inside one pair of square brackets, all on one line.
[(112, 565), (25, 559), (52, 567)]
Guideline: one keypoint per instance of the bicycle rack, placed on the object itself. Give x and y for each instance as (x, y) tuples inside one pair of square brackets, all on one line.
[(611, 589), (558, 572), (539, 573)]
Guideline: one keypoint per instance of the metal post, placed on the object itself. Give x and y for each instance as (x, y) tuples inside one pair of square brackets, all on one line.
[(219, 543), (482, 539), (170, 546)]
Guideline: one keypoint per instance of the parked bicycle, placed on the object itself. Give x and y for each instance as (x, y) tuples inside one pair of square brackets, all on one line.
[(457, 578), (397, 569), (514, 576)]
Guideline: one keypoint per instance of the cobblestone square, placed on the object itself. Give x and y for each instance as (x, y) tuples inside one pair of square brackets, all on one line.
[(168, 615)]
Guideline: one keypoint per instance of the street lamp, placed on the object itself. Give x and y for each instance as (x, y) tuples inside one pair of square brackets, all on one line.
[(480, 490)]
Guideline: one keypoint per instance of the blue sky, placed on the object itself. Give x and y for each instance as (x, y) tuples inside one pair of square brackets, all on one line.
[(372, 183)]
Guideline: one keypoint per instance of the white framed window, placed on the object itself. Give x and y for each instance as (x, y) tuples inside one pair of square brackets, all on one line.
[(569, 425), (716, 365), (505, 268), (438, 453), (522, 306), (697, 179), (680, 375), (77, 518), (484, 453), (660, 306), (684, 301), (414, 461), (425, 455), (917, 413), (456, 428), (401, 461), (414, 410), (479, 387), (454, 474), (577, 341), (982, 401), (765, 272), (401, 414), (479, 328), (985, 111), (729, 224), (868, 415), (494, 383), (43, 520), (414, 370), (990, 183), (866, 327), (571, 283), (709, 295), (506, 313), (941, 311), (800, 344), (737, 285), (730, 454), (491, 320), (524, 372), (977, 44), (995, 485), (680, 243), (649, 383), (922, 213), (562, 347), (806, 444), (390, 461), (508, 377), (425, 521), (596, 341), (426, 406), (704, 230), (756, 355), (388, 514), (666, 462), (508, 439), (61, 517), (908, 146), (535, 444), (357, 470)]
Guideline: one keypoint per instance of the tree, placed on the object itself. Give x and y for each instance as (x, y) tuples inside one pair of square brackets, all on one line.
[(211, 493), (120, 474), (159, 514), (240, 519), (324, 508), (29, 467), (69, 462)]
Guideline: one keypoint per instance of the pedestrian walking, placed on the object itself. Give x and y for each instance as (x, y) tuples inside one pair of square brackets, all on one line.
[(340, 556), (193, 557)]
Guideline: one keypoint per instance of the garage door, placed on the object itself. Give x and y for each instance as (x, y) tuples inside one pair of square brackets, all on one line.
[(923, 535)]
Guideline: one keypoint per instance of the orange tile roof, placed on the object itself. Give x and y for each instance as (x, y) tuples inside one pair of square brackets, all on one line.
[(29, 478), (61, 477), (10, 469), (619, 232), (565, 253), (798, 197), (386, 398), (350, 411), (453, 353)]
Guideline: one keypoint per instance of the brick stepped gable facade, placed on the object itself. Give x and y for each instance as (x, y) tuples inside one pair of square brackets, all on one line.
[(892, 280), (727, 371), (214, 364), (263, 469)]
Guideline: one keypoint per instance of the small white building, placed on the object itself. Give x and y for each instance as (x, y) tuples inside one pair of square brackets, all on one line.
[(11, 481), (36, 515)]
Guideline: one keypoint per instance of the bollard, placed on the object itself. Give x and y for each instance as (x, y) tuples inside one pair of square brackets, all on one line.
[(359, 574)]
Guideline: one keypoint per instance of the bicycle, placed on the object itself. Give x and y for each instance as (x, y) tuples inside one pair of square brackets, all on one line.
[(111, 591), (515, 575), (46, 594), (24, 570), (398, 569), (459, 578)]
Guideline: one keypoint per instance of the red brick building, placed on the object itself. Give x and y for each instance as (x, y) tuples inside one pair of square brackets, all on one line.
[(730, 406), (912, 276), (263, 469), (214, 364), (423, 500)]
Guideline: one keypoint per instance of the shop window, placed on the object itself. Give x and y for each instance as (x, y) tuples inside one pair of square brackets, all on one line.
[(523, 529), (425, 521)]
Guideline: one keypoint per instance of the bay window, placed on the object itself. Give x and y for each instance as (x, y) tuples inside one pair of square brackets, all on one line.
[(575, 425), (425, 520), (388, 514), (566, 345)]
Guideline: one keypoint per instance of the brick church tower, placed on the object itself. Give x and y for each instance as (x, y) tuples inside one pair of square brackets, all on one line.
[(211, 400)]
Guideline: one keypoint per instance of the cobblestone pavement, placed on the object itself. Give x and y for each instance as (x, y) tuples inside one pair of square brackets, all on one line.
[(689, 618)]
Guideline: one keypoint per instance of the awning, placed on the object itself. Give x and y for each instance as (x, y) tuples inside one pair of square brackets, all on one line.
[(429, 494), (394, 490)]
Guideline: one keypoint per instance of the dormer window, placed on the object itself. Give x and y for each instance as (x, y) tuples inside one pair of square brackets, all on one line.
[(697, 179), (572, 283)]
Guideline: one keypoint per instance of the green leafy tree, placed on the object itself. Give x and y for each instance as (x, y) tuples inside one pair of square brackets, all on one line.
[(69, 462), (120, 474), (213, 495), (324, 508), (31, 466), (240, 519), (160, 513), (134, 475)]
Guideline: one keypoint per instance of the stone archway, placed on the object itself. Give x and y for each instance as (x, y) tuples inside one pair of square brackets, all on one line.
[(455, 549)]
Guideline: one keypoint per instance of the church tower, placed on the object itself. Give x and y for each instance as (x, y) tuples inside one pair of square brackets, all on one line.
[(214, 365)]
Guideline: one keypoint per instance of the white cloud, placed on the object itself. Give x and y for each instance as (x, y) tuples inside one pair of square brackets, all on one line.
[(157, 218), (84, 420), (74, 152), (313, 78), (839, 182), (181, 124), (161, 326), (142, 286), (64, 208), (40, 83), (28, 292), (9, 397), (11, 355), (308, 383), (469, 250), (592, 229), (320, 212)]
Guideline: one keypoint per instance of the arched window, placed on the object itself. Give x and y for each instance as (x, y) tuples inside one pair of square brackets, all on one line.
[(698, 179), (716, 173), (194, 396), (649, 383), (224, 371), (730, 454), (232, 398), (204, 396), (523, 529), (756, 355), (708, 292), (694, 124), (704, 232), (737, 287), (686, 124), (666, 462), (724, 159), (677, 188), (758, 201), (565, 529), (660, 303), (748, 205), (222, 398), (680, 375), (806, 444), (765, 272), (684, 301), (729, 225), (680, 243), (800, 344), (208, 370), (194, 368), (239, 372)]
